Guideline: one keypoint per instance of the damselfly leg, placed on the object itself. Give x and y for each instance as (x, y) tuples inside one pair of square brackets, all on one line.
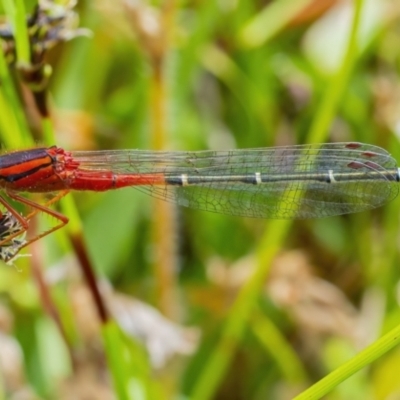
[(14, 226)]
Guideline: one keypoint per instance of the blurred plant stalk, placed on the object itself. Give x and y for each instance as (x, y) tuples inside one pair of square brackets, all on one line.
[(153, 30)]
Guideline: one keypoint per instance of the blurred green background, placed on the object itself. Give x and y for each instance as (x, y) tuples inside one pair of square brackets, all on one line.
[(207, 305)]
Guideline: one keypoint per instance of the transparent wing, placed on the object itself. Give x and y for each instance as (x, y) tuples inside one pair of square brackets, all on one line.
[(307, 181)]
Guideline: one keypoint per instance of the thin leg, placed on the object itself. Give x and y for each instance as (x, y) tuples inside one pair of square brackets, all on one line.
[(24, 221), (39, 207)]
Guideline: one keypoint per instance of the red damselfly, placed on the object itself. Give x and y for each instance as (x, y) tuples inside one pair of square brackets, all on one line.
[(306, 181)]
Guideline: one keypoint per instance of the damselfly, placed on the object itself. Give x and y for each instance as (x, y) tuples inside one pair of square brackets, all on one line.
[(307, 181)]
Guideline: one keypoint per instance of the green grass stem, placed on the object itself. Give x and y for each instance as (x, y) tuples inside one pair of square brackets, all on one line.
[(364, 358)]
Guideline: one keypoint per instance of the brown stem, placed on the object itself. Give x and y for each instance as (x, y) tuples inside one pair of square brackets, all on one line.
[(88, 273)]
